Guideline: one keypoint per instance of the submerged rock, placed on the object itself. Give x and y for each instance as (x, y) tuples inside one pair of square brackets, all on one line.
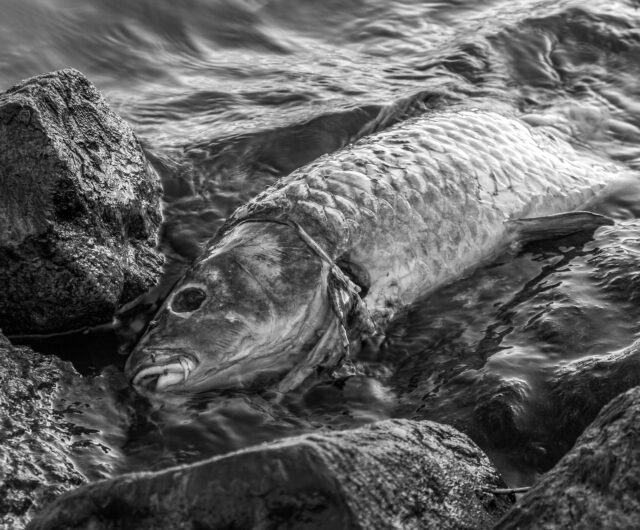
[(578, 390), (596, 484), (79, 207), (536, 422), (390, 474), (46, 447)]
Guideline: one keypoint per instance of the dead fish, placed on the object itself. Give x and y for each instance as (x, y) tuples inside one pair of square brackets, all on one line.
[(297, 277)]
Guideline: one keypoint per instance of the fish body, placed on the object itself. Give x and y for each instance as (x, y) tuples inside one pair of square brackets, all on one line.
[(368, 229)]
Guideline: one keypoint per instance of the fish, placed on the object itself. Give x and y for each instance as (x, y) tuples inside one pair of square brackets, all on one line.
[(297, 278)]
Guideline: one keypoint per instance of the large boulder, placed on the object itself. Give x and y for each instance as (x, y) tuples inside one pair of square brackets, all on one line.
[(597, 484), (79, 207), (390, 474), (48, 444)]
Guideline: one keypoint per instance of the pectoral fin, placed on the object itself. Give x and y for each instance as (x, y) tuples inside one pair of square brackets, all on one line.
[(552, 226)]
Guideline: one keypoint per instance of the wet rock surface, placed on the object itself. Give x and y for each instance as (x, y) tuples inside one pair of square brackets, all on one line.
[(391, 474), (538, 421), (79, 208), (27, 382), (46, 448), (596, 484)]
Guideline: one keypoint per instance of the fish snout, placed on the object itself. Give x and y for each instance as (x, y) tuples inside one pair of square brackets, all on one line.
[(161, 371)]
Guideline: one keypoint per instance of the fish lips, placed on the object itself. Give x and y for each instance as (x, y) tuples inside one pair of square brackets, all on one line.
[(162, 370)]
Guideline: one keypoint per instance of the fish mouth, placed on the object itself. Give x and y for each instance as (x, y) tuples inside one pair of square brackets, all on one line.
[(163, 371)]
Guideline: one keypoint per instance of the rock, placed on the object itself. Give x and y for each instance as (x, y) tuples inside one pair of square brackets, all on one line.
[(46, 447), (390, 474), (79, 207), (35, 465), (578, 390), (597, 484), (534, 424)]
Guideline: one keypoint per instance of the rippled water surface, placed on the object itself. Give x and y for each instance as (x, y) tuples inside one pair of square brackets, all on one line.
[(227, 96)]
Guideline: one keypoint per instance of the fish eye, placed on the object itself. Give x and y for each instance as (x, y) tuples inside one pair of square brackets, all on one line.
[(187, 300)]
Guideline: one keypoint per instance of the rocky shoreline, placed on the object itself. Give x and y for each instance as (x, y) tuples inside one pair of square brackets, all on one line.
[(79, 212), (394, 473)]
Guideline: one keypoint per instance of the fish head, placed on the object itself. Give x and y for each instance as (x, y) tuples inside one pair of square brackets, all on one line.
[(246, 312)]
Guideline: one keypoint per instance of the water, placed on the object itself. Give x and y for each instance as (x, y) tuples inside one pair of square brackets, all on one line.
[(227, 96)]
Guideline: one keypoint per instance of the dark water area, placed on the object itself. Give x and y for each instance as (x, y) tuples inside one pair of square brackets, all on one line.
[(227, 96)]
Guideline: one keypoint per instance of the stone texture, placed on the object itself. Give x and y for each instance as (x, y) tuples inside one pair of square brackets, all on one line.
[(560, 408), (35, 466), (578, 390), (79, 208), (47, 443), (536, 423), (391, 474), (597, 484)]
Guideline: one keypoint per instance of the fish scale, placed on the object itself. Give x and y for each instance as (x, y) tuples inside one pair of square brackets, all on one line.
[(422, 202)]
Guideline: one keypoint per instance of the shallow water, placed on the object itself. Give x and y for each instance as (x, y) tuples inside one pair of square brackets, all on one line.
[(227, 96)]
